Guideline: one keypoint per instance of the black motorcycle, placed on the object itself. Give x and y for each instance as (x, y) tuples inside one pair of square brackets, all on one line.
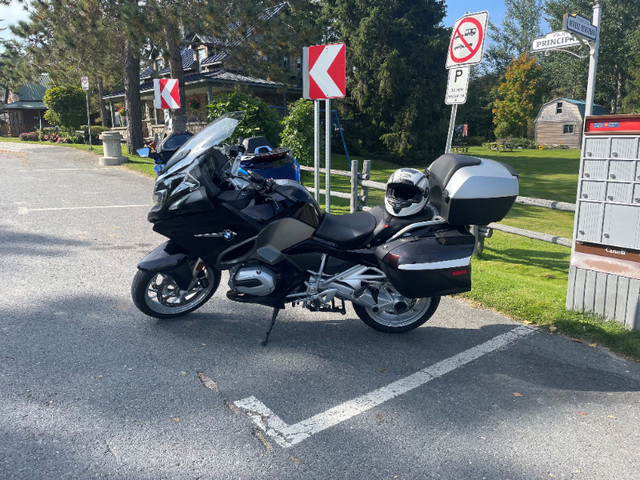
[(280, 248)]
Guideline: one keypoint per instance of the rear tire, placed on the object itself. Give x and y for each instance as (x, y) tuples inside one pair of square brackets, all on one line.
[(156, 293), (390, 320)]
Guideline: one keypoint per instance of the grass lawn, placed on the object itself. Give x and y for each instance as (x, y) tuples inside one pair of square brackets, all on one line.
[(522, 278)]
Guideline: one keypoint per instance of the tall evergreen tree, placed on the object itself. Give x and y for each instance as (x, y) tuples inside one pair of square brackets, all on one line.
[(395, 56)]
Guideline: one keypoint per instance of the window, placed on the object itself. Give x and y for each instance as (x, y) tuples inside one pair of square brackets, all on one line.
[(558, 107), (567, 129), (202, 54)]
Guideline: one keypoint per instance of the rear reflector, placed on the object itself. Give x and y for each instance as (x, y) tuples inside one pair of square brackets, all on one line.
[(459, 272)]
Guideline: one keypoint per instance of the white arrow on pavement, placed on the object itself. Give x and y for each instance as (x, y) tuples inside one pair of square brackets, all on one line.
[(319, 71)]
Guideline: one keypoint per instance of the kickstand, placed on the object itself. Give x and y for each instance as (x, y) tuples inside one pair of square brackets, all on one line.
[(273, 322)]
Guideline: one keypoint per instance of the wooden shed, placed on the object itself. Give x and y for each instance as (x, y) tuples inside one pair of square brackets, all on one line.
[(561, 121)]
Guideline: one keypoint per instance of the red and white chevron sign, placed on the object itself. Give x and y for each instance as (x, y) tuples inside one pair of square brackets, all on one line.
[(166, 93), (323, 74)]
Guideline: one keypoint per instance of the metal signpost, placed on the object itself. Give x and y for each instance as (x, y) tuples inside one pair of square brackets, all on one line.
[(323, 78), (465, 49), (84, 83), (590, 33)]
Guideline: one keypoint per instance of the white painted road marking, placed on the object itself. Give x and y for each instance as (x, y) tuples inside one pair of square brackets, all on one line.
[(289, 435), (25, 211)]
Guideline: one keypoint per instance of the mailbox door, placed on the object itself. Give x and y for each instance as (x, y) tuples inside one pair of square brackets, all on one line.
[(620, 227)]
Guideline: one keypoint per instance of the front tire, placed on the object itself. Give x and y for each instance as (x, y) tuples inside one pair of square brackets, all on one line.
[(400, 315), (156, 293)]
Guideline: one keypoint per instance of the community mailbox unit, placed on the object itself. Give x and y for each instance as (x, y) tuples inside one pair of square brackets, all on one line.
[(604, 276)]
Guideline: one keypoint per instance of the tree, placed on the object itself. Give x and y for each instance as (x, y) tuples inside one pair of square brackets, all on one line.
[(394, 62), (520, 97), (520, 26), (477, 111), (66, 106), (298, 131), (617, 58), (259, 120)]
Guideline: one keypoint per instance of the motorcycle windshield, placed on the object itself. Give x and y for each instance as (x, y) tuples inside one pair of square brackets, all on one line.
[(213, 134)]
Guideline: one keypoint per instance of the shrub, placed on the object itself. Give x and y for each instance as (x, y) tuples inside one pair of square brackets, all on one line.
[(259, 118), (520, 142), (29, 136), (298, 131), (66, 106)]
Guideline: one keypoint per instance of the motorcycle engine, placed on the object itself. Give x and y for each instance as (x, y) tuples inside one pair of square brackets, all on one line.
[(253, 280)]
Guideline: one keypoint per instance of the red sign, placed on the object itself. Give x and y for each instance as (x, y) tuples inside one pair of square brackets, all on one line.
[(612, 123), (467, 41), (324, 71), (166, 93)]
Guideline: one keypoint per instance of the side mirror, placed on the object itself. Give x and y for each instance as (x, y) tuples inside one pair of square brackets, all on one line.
[(144, 152)]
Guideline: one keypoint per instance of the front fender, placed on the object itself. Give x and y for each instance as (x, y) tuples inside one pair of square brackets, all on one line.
[(164, 257), (171, 259)]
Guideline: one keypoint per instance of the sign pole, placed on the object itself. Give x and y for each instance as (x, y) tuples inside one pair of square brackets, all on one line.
[(327, 156), (593, 60), (316, 149), (452, 122)]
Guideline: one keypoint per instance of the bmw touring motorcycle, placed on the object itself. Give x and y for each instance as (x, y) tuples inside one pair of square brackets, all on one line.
[(393, 263)]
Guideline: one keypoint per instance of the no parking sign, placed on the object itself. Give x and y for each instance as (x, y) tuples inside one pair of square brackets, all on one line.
[(467, 40)]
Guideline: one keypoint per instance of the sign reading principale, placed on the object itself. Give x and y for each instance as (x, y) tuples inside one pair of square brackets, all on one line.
[(467, 40), (457, 86), (580, 26), (554, 41)]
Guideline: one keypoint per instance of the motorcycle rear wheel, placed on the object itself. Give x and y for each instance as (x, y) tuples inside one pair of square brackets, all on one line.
[(396, 318), (156, 293)]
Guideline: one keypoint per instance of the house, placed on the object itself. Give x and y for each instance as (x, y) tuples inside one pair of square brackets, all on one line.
[(561, 122), (205, 76), (24, 109)]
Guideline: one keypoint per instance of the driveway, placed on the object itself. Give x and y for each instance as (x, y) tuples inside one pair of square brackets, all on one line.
[(90, 387)]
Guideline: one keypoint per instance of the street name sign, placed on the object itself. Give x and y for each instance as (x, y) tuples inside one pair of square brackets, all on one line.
[(467, 40), (579, 25), (324, 72), (554, 41), (457, 86), (166, 93)]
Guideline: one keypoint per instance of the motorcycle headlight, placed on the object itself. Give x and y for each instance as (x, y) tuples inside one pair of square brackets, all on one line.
[(159, 196), (170, 187)]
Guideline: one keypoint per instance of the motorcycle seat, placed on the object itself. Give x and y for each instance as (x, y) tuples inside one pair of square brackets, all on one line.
[(347, 231)]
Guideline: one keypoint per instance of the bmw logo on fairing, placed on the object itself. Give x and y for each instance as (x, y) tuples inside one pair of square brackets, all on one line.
[(226, 234)]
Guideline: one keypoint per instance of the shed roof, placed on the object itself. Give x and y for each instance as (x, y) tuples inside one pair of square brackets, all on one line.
[(581, 104)]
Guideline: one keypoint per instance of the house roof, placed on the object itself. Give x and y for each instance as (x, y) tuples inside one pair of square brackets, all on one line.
[(25, 105), (221, 77), (223, 45), (581, 104)]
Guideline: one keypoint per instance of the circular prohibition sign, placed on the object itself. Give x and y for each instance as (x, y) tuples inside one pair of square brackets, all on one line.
[(472, 50)]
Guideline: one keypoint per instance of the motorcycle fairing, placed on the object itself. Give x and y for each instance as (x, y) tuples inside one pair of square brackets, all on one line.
[(170, 258), (268, 245)]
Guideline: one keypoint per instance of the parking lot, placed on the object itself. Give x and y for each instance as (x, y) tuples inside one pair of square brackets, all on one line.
[(91, 387)]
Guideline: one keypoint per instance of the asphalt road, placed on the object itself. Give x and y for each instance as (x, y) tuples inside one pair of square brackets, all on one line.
[(90, 387)]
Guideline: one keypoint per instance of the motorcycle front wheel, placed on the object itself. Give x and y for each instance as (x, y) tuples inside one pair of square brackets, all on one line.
[(399, 314), (156, 293)]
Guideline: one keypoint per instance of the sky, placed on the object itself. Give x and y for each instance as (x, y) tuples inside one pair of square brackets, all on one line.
[(455, 9)]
